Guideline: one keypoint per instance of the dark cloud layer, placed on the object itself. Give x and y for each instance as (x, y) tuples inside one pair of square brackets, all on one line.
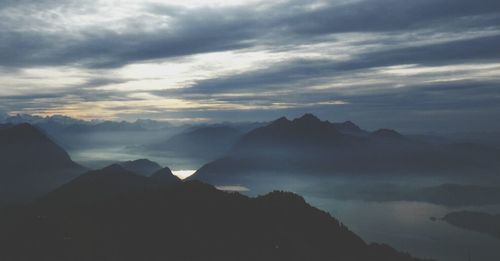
[(304, 72), (202, 30), (390, 15), (447, 107), (370, 34)]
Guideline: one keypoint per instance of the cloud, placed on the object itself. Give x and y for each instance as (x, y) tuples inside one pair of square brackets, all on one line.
[(391, 15), (260, 59), (157, 31), (303, 73)]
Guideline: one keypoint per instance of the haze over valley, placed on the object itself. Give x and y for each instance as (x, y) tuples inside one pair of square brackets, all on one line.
[(349, 130), (258, 158)]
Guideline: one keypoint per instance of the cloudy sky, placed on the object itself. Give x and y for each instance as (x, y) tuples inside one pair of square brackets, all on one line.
[(406, 64)]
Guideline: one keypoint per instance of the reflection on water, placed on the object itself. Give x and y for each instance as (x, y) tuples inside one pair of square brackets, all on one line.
[(407, 227), (403, 225)]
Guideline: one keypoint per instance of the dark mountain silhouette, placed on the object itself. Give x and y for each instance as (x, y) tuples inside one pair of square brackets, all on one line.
[(207, 142), (31, 164), (165, 175), (284, 136), (309, 145), (75, 135), (349, 127), (142, 167), (106, 183), (98, 185), (187, 221), (477, 221)]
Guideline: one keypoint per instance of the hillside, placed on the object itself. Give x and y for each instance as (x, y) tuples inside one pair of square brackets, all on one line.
[(188, 221), (31, 164), (309, 145)]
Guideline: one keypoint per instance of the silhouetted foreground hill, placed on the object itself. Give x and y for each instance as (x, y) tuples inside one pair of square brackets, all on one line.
[(184, 221), (309, 145), (107, 183), (31, 164), (477, 221), (165, 175)]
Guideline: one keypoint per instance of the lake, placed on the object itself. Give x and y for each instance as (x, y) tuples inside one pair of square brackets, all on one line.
[(404, 225)]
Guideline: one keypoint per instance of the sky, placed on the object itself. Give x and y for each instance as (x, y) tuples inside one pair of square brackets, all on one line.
[(427, 65)]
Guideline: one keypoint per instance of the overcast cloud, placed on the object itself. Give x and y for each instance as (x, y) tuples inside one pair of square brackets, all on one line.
[(411, 65)]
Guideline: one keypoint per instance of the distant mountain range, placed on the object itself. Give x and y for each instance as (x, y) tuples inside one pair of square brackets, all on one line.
[(114, 214), (142, 167), (59, 121), (74, 134), (207, 142), (310, 146), (31, 164)]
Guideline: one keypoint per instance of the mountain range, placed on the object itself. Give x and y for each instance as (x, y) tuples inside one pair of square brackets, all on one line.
[(208, 142), (312, 146), (142, 167), (135, 210), (114, 214)]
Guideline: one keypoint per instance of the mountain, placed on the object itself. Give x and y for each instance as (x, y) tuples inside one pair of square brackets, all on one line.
[(187, 221), (477, 221), (31, 164), (242, 127), (106, 183), (142, 167), (310, 145), (208, 142), (165, 175), (45, 123), (60, 121), (75, 135), (98, 185), (349, 127)]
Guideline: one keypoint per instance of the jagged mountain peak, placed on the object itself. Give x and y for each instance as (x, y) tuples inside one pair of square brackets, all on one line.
[(308, 117), (281, 121)]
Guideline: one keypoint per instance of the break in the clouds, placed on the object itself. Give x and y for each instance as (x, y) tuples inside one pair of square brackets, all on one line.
[(395, 63)]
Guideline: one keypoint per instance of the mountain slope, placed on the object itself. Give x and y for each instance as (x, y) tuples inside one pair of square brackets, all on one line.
[(309, 145), (166, 176), (31, 164), (208, 142), (188, 221), (106, 183)]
